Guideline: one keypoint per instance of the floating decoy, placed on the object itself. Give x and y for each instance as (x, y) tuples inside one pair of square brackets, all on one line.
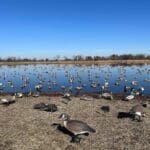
[(38, 87), (140, 90), (76, 127), (93, 85), (134, 82), (1, 85), (127, 88), (78, 88), (63, 87)]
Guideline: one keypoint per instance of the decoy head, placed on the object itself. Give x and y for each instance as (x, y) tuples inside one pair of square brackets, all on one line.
[(64, 116)]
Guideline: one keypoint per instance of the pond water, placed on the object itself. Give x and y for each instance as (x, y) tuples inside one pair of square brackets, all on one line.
[(90, 79)]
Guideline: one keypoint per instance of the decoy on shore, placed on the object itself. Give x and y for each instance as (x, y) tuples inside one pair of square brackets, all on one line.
[(105, 108), (7, 102), (45, 107), (137, 112), (129, 97), (19, 95), (67, 94), (76, 127), (107, 96)]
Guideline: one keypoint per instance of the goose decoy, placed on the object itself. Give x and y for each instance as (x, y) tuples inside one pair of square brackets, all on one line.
[(137, 112), (40, 106), (76, 127), (50, 107), (45, 107)]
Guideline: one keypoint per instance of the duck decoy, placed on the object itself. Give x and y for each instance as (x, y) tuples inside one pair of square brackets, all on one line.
[(76, 127)]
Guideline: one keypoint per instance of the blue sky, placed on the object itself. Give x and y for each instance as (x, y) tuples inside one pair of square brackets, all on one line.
[(46, 28)]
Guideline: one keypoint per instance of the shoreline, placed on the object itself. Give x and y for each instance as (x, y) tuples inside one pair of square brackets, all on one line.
[(99, 62), (94, 95)]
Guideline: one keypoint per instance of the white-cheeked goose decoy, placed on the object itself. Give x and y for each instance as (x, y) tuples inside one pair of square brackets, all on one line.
[(76, 127)]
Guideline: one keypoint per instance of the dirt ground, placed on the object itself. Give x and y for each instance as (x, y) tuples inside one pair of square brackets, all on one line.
[(25, 128)]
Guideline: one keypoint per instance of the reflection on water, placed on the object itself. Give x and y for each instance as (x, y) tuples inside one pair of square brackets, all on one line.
[(86, 79)]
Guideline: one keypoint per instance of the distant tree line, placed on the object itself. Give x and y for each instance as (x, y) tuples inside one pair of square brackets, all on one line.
[(79, 58)]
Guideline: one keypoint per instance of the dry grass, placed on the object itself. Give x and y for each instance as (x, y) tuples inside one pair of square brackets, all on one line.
[(23, 128), (109, 62)]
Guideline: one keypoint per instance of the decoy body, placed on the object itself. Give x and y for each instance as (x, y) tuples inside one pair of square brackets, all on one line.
[(45, 107), (19, 95), (7, 102), (76, 127), (137, 112), (107, 96), (36, 94), (105, 108), (129, 97)]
